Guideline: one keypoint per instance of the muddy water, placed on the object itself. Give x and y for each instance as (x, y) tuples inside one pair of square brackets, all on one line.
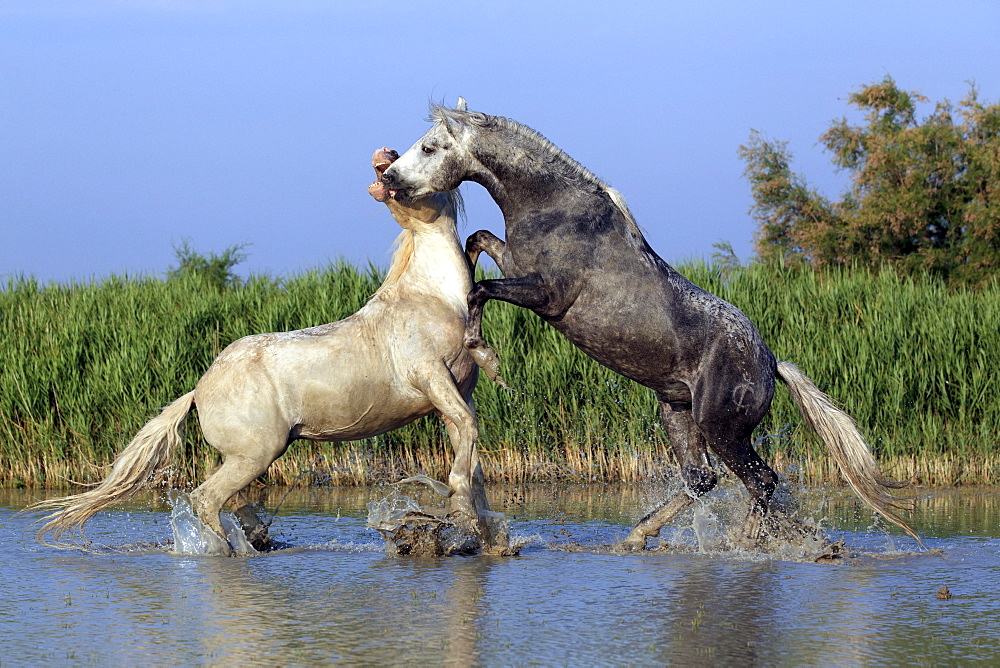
[(332, 594)]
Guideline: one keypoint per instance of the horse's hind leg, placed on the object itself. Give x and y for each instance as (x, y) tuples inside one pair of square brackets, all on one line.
[(759, 479), (236, 472), (254, 528), (689, 447)]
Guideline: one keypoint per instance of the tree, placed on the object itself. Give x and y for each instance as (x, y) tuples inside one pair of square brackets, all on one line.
[(217, 270), (924, 196)]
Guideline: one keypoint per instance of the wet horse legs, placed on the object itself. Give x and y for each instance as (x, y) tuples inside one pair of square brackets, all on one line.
[(235, 474), (690, 449), (465, 488), (253, 527), (760, 481), (690, 442)]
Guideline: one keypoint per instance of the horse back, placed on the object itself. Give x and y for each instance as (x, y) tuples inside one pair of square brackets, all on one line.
[(625, 306)]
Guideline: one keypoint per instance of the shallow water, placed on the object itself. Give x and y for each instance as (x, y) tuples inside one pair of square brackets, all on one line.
[(332, 594)]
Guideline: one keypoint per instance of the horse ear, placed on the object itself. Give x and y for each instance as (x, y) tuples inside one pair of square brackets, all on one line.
[(462, 105), (452, 125)]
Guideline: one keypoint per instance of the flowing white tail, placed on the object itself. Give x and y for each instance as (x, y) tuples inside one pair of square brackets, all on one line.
[(151, 449), (839, 433)]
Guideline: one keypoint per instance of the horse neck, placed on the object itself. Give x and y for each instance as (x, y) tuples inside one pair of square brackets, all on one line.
[(438, 254), (524, 171), (435, 266)]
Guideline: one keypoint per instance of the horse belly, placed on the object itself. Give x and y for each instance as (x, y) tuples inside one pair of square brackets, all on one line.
[(646, 361), (636, 346), (358, 410), (661, 344), (352, 392)]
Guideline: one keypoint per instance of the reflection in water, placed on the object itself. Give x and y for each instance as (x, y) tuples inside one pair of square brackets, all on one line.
[(333, 594)]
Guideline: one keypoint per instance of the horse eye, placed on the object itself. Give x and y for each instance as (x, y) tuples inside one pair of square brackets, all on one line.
[(428, 150)]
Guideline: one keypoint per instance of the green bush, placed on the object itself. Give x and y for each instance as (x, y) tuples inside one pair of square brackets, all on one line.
[(84, 365)]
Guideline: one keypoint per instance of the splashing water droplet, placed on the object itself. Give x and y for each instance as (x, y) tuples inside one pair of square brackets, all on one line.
[(194, 537)]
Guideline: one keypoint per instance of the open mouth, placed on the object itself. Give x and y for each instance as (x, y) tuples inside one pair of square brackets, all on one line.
[(381, 160)]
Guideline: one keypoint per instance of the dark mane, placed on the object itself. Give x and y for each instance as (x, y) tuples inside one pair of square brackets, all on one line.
[(543, 149), (546, 150)]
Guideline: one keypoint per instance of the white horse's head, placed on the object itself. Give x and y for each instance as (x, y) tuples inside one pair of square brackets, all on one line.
[(432, 208), (439, 161)]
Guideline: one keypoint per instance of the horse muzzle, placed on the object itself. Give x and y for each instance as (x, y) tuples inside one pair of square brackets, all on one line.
[(394, 186)]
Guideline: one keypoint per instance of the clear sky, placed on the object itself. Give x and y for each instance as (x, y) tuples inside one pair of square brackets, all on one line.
[(127, 127)]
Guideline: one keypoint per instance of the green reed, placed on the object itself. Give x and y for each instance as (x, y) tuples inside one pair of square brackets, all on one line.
[(84, 365)]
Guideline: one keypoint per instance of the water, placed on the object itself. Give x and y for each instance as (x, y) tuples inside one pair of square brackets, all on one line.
[(192, 537), (332, 594)]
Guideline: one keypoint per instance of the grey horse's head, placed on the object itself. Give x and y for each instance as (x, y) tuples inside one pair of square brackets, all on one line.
[(441, 159)]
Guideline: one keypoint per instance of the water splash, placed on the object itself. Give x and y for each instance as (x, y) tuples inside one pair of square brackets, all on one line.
[(194, 537), (388, 513), (409, 529), (707, 529)]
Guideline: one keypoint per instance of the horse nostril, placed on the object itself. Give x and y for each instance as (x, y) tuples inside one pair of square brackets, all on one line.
[(387, 178)]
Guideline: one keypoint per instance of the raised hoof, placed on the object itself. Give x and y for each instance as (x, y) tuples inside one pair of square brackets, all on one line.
[(438, 486), (487, 360)]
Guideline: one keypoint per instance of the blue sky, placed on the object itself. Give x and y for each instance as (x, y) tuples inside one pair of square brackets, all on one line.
[(128, 127)]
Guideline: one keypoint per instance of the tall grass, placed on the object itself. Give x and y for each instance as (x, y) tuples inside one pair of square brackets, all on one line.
[(84, 365)]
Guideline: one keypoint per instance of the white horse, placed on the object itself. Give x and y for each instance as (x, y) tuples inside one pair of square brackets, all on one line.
[(399, 358)]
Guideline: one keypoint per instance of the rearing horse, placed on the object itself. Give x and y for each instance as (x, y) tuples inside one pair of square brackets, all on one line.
[(397, 359), (575, 256)]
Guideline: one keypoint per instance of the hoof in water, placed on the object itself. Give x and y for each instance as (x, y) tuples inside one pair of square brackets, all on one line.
[(254, 529), (487, 360), (420, 535), (745, 543), (494, 530), (194, 537), (411, 530), (633, 544), (259, 538), (790, 536)]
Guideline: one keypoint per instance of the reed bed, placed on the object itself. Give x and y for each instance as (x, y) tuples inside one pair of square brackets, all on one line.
[(84, 365)]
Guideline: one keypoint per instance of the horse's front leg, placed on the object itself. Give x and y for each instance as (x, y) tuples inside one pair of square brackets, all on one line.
[(485, 241), (527, 291), (465, 481)]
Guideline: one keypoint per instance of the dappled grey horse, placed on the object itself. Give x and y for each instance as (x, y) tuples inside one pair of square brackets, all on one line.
[(575, 256)]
